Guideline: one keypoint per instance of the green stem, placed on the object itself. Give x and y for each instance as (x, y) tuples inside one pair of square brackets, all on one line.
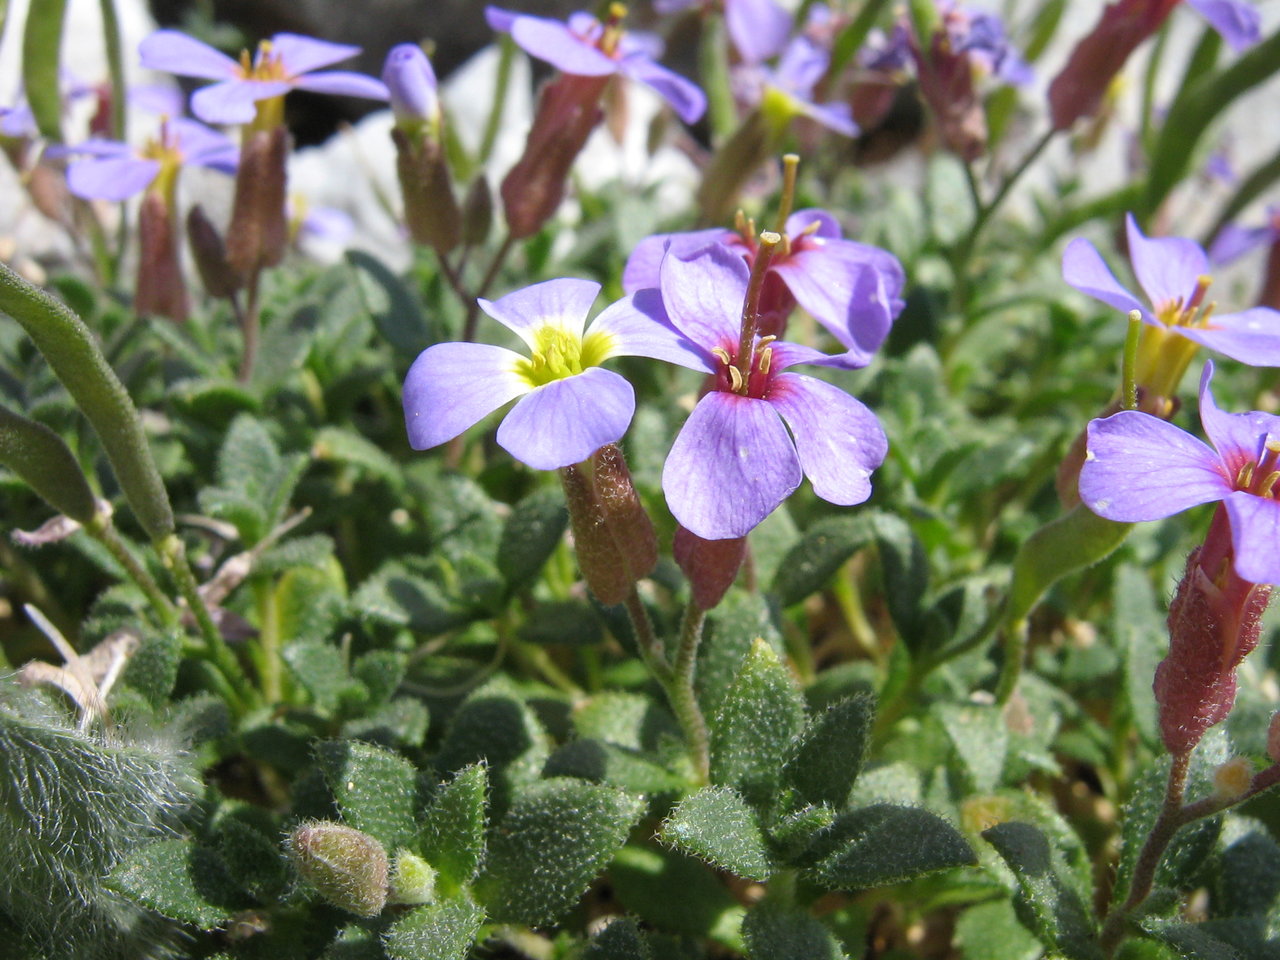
[(270, 667), (1128, 378), (684, 699), (650, 645), (473, 308), (103, 530), (250, 326), (215, 647), (506, 56), (1015, 654)]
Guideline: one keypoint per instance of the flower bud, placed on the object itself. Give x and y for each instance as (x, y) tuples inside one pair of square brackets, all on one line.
[(161, 288), (568, 110), (210, 254), (946, 83), (602, 566), (430, 210), (624, 515), (710, 565), (411, 83), (259, 233), (346, 866), (1214, 621), (1273, 738), (413, 880), (477, 212), (1231, 780), (1269, 296)]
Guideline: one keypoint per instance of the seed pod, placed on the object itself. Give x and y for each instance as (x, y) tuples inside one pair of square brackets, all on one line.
[(413, 880), (161, 288), (259, 232)]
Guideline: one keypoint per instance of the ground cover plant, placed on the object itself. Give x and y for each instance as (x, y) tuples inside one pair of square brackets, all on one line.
[(817, 549)]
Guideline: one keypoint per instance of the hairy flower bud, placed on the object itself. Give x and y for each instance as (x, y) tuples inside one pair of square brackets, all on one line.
[(710, 565), (161, 288), (946, 82), (430, 209), (259, 232), (347, 867), (625, 516), (1273, 738), (602, 565), (413, 880), (1214, 621), (210, 254), (568, 110)]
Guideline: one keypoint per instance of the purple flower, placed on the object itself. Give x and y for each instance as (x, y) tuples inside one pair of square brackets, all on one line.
[(1140, 467), (111, 170), (411, 84), (758, 28), (788, 87), (1173, 272), (570, 406), (1233, 241), (1237, 21), (853, 289), (734, 461), (283, 63), (982, 36), (585, 47)]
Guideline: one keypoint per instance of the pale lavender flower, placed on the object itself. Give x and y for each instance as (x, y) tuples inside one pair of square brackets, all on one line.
[(853, 289), (411, 84), (1234, 241), (1173, 273), (982, 36), (570, 406), (758, 28), (110, 170), (793, 79), (734, 461), (1140, 467), (585, 47), (283, 63), (1237, 20)]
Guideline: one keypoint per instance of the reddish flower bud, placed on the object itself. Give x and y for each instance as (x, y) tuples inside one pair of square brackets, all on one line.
[(568, 110), (1214, 621), (259, 232), (161, 288), (946, 83), (602, 565), (1273, 738), (347, 867), (625, 516), (710, 565), (1079, 89), (210, 254), (430, 209)]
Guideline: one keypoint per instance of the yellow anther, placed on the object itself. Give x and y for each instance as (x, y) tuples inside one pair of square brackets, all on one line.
[(1273, 444), (768, 339), (1268, 485), (723, 354), (735, 379), (766, 360), (1244, 477), (617, 11)]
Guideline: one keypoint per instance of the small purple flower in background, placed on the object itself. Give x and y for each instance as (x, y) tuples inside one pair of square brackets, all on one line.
[(758, 28), (411, 85), (586, 47), (1234, 241), (110, 170), (787, 89), (734, 462), (570, 406), (853, 289), (283, 63), (1140, 467), (1173, 273), (982, 36), (1237, 20)]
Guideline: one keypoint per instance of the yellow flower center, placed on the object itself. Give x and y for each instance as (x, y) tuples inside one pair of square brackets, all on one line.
[(265, 66), (559, 353)]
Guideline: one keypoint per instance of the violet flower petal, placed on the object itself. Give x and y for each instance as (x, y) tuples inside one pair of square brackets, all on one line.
[(1255, 531), (1240, 25), (704, 298), (500, 20), (834, 116), (1140, 467), (638, 326), (93, 147), (234, 101), (803, 220), (343, 83), (730, 466), (686, 98), (565, 421), (562, 303), (411, 82), (171, 51), (204, 147), (1233, 242), (1238, 437), (554, 42), (758, 28), (300, 54), (786, 354), (838, 439), (1251, 336), (1167, 268), (111, 178), (453, 386), (644, 265), (161, 100), (1084, 269)]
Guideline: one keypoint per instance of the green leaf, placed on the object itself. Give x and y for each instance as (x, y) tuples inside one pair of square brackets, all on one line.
[(153, 668), (334, 444), (826, 759), (41, 56), (981, 739), (991, 931), (444, 930), (1249, 878), (1049, 905), (1141, 637), (42, 459), (564, 621), (556, 838), (643, 879), (530, 535), (906, 575), (717, 825), (179, 880), (374, 788), (620, 940), (381, 672), (626, 719), (252, 859), (883, 844), (395, 311), (603, 762), (731, 628), (401, 723), (778, 933), (751, 734), (321, 670), (452, 832), (812, 562), (1189, 940)]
